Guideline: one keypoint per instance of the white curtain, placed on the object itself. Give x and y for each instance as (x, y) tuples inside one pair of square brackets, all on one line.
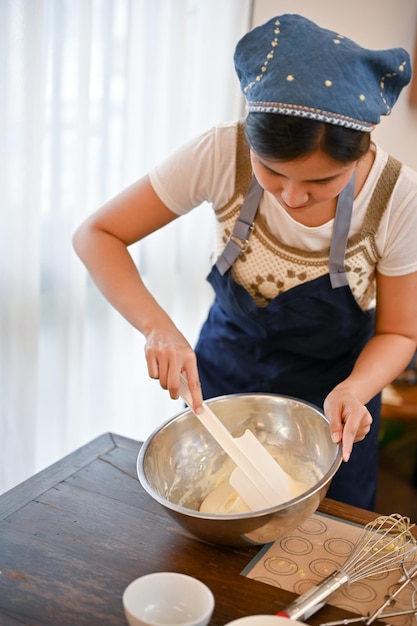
[(92, 93)]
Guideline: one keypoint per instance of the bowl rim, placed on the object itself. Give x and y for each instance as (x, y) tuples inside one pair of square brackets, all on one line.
[(177, 508), (192, 583)]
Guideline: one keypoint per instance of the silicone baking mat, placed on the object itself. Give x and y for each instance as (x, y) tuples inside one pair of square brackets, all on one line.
[(314, 550)]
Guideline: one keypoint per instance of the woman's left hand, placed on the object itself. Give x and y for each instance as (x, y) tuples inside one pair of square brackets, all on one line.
[(350, 420), (382, 359)]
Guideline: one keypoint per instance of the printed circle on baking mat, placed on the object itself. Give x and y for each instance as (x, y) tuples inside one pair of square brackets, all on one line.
[(338, 546), (301, 586), (405, 597), (323, 567), (281, 566), (313, 526), (360, 592), (296, 545), (346, 607)]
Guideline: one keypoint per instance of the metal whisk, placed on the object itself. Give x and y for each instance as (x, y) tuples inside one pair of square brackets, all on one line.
[(383, 612), (383, 545)]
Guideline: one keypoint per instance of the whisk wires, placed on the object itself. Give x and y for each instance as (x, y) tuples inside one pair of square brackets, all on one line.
[(407, 579), (383, 544)]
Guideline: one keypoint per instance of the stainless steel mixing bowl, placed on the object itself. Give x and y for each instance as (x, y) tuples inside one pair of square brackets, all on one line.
[(180, 463)]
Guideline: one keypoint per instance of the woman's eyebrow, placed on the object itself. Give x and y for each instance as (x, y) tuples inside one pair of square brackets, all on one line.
[(314, 180)]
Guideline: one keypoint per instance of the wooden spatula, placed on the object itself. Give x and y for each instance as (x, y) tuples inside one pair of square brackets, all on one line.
[(258, 479)]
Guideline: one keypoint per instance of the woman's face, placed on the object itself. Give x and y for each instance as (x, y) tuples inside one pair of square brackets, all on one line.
[(304, 186)]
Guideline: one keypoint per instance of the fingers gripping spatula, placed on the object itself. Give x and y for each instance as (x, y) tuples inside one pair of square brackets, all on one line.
[(258, 478)]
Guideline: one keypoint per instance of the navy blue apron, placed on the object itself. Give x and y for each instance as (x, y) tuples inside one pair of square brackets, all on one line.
[(302, 344)]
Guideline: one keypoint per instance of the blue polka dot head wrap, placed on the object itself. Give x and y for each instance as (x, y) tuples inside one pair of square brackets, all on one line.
[(292, 66)]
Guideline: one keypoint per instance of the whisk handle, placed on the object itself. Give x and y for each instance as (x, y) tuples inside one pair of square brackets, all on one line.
[(313, 600)]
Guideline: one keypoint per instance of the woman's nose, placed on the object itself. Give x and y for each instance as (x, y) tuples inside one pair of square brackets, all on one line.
[(294, 194)]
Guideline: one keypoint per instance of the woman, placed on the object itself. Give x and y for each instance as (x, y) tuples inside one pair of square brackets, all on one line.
[(316, 268)]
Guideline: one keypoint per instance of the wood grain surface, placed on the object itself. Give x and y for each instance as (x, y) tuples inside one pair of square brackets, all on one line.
[(75, 535)]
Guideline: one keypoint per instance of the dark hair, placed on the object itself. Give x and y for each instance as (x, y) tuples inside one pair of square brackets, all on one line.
[(286, 138)]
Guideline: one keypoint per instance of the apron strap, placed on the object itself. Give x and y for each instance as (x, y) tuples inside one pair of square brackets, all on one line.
[(238, 240), (340, 235), (243, 226)]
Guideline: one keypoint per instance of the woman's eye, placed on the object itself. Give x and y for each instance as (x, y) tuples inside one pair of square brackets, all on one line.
[(272, 172)]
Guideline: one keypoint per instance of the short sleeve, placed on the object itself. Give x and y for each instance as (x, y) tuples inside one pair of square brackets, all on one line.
[(397, 235), (202, 170)]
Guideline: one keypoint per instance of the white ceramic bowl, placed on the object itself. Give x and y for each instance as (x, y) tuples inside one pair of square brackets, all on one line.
[(263, 620), (164, 598)]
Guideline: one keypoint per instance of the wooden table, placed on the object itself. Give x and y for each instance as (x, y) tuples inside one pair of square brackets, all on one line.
[(73, 536)]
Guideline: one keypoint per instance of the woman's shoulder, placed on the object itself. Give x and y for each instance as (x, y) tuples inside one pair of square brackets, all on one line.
[(397, 232), (223, 135), (202, 169), (407, 177)]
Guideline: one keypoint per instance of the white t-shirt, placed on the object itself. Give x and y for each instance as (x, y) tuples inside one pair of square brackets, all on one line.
[(204, 170)]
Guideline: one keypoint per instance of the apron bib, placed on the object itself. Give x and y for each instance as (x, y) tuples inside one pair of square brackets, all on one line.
[(301, 344)]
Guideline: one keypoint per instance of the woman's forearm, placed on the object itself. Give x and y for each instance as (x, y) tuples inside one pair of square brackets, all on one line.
[(114, 272), (383, 358), (167, 351)]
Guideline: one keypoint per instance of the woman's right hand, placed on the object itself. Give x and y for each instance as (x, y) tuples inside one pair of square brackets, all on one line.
[(168, 355)]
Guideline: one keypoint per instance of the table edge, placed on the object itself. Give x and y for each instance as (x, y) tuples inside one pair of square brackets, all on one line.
[(21, 494)]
